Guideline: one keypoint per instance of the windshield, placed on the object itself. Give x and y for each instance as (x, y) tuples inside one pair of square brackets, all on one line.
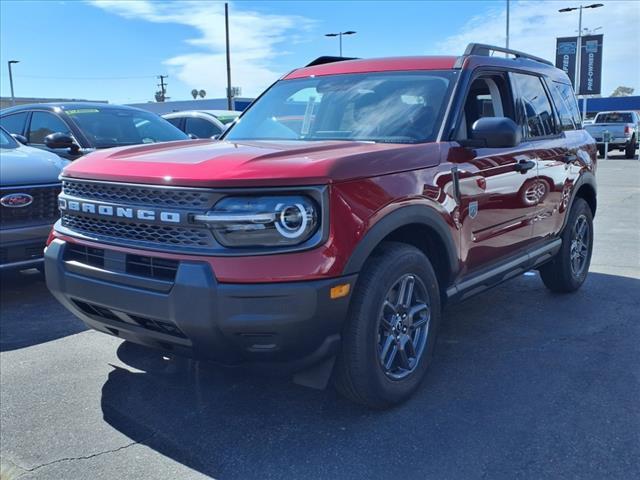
[(111, 127), (614, 117), (397, 107), (6, 140)]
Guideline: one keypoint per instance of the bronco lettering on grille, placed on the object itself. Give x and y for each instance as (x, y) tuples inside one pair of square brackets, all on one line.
[(118, 212)]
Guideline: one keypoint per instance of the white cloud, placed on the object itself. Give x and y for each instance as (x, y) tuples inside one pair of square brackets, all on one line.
[(534, 26), (255, 41)]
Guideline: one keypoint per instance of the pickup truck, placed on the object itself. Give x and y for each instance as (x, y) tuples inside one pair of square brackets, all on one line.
[(327, 247), (623, 128)]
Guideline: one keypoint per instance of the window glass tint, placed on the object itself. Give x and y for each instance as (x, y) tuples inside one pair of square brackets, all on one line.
[(564, 112), (174, 121), (201, 128), (535, 106), (395, 107), (113, 127), (14, 123), (43, 124), (566, 92), (614, 117)]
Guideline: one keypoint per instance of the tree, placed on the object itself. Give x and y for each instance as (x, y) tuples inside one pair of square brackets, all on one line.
[(622, 92)]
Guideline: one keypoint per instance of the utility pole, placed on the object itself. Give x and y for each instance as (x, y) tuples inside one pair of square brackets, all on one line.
[(11, 62), (162, 94), (226, 28), (506, 54)]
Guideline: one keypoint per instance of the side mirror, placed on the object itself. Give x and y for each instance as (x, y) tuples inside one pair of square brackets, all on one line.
[(20, 138), (495, 132), (60, 140), (192, 136)]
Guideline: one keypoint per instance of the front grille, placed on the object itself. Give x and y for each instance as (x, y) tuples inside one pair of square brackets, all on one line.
[(22, 252), (125, 318), (139, 265), (43, 209), (139, 194), (143, 234)]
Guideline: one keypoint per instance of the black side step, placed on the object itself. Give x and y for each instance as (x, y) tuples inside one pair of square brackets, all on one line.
[(479, 282)]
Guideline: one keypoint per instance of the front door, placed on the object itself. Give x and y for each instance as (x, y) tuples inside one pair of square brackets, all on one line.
[(495, 220)]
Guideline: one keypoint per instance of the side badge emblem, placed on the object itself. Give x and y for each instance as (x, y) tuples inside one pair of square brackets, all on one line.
[(473, 209)]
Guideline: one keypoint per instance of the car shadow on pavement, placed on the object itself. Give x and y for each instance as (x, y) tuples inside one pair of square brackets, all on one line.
[(522, 381), (29, 315)]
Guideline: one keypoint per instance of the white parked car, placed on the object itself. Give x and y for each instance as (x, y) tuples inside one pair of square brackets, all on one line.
[(202, 123)]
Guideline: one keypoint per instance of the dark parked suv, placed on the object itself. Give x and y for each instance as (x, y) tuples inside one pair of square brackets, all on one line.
[(328, 245), (72, 129)]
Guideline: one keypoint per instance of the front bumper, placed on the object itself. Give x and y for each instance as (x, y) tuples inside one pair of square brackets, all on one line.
[(294, 324), (22, 247)]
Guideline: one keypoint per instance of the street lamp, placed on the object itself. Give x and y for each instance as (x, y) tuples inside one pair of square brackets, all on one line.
[(579, 48), (340, 34), (11, 62)]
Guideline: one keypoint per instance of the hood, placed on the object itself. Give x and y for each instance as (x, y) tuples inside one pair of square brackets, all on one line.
[(250, 163), (29, 166)]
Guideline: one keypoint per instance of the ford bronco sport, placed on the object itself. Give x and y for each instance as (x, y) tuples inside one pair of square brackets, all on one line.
[(328, 227)]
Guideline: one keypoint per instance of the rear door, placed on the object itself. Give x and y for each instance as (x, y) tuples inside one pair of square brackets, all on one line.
[(543, 137)]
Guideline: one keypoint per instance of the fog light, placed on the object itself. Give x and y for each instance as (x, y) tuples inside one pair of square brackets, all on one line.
[(340, 291)]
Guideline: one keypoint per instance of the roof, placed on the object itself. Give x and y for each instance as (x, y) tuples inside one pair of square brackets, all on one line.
[(66, 106), (375, 65)]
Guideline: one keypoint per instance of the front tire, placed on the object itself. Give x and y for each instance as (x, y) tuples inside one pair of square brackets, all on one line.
[(388, 340), (568, 269)]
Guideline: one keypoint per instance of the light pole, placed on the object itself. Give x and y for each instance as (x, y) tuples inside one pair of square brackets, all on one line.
[(11, 62), (340, 34), (579, 49)]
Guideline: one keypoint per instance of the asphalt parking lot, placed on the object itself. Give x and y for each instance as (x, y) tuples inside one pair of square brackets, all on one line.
[(525, 384)]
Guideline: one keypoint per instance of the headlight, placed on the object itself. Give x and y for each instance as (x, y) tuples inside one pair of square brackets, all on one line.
[(262, 221)]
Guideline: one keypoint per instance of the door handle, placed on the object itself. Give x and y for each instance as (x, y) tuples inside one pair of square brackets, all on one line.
[(524, 165)]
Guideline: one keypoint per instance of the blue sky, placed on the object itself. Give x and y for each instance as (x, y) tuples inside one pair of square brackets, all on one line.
[(112, 49)]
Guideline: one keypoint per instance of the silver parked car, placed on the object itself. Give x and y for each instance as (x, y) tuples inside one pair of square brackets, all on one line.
[(29, 189), (202, 123)]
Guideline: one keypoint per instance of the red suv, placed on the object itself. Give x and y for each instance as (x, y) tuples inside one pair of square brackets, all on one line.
[(326, 230)]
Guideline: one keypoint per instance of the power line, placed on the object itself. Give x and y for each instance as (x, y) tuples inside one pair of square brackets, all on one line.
[(85, 78)]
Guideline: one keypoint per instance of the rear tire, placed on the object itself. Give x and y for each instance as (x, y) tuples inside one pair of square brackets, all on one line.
[(569, 267), (630, 150), (389, 337)]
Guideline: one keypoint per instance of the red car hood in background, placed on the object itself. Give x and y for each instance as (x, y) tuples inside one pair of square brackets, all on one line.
[(251, 163)]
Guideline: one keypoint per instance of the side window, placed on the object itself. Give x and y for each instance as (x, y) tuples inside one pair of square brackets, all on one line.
[(201, 128), (566, 92), (43, 124), (535, 108), (14, 123), (174, 121), (487, 97), (565, 115)]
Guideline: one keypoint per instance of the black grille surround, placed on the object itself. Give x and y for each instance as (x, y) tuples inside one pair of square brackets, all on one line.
[(178, 234), (43, 209), (141, 234), (147, 195)]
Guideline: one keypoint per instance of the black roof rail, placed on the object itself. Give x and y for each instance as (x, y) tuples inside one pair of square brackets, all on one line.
[(328, 59), (485, 50)]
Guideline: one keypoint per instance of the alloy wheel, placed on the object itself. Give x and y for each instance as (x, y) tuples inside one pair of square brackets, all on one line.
[(403, 327), (579, 246)]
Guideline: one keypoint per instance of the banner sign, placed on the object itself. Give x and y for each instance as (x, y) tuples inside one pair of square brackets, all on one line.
[(590, 61), (591, 65), (566, 56)]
